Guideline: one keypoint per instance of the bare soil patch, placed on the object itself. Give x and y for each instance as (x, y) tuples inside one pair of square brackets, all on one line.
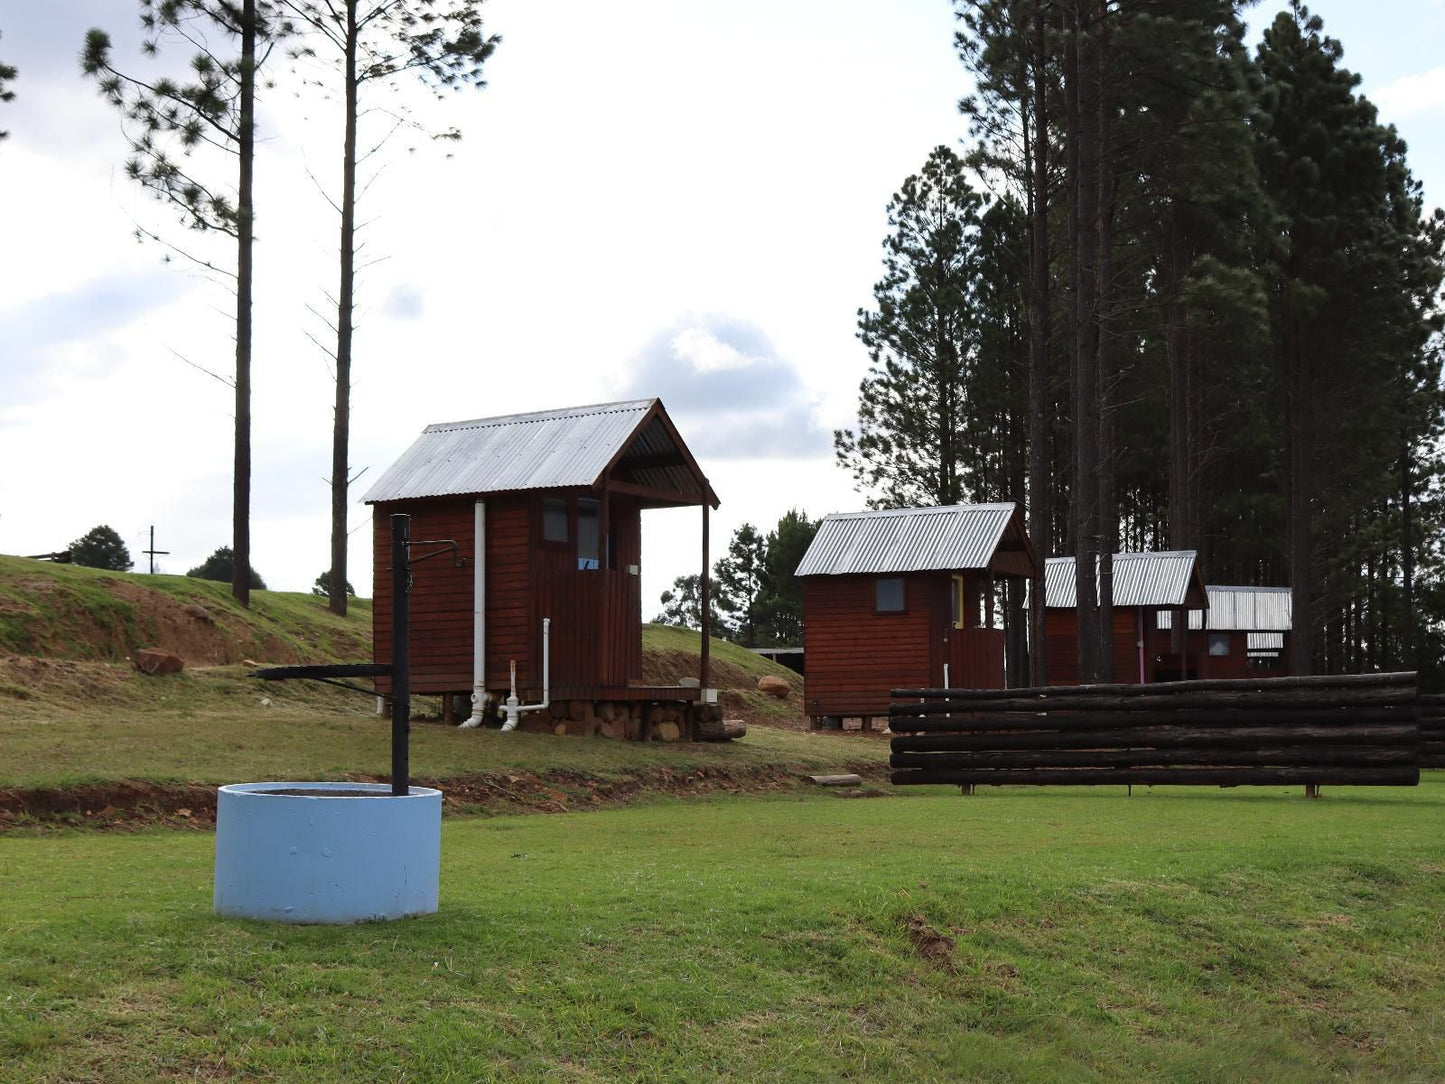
[(134, 804)]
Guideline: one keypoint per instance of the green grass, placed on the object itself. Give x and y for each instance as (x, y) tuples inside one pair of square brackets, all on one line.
[(69, 612), (70, 713), (67, 723), (221, 733), (1172, 936), (70, 722)]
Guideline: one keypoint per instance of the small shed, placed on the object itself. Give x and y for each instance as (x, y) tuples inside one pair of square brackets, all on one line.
[(905, 599), (1145, 585), (1244, 633), (546, 509)]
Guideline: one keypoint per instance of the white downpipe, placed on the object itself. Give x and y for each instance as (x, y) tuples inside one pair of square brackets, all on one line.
[(512, 708), (479, 615), (946, 685)]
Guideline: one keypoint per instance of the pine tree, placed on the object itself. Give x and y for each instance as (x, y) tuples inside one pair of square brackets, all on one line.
[(322, 586), (907, 449), (167, 124), (681, 608), (780, 606), (372, 41), (101, 547), (221, 567), (1005, 45), (1340, 302), (739, 579)]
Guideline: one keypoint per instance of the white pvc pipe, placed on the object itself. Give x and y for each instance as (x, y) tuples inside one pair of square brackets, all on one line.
[(512, 708), (479, 615)]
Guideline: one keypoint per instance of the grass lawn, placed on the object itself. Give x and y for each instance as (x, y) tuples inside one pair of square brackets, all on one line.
[(1048, 935), (211, 726)]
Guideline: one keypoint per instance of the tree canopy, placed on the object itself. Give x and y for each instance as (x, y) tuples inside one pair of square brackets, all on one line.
[(220, 567), (1212, 273), (322, 586), (756, 599), (101, 547)]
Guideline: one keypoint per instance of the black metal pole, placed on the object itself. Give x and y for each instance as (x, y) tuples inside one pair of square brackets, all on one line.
[(400, 654)]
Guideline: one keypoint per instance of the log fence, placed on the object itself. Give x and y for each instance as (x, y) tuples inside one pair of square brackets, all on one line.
[(1355, 730), (1432, 731)]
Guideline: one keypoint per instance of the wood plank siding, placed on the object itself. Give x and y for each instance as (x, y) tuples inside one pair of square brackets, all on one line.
[(856, 655), (1161, 663), (596, 624)]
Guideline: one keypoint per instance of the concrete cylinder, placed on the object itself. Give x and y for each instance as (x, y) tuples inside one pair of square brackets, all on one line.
[(329, 853)]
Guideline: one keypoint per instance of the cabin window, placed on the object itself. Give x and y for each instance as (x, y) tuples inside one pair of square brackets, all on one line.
[(589, 533), (888, 597), (958, 605), (1218, 645), (554, 519)]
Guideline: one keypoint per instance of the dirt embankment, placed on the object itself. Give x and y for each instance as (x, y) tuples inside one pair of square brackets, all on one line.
[(133, 804)]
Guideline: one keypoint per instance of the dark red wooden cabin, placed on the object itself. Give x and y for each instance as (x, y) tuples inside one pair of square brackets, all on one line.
[(1145, 585), (557, 498), (1244, 633), (905, 599)]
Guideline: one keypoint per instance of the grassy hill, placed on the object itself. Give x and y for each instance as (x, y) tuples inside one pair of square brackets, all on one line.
[(67, 612), (73, 710)]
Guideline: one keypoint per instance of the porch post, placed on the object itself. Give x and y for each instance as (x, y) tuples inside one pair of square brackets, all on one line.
[(703, 596)]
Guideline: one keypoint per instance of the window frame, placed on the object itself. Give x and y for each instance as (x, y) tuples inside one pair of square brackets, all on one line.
[(567, 516), (902, 581), (600, 557)]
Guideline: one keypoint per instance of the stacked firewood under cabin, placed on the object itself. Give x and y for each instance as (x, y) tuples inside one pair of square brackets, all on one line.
[(1432, 731), (1338, 730), (635, 720)]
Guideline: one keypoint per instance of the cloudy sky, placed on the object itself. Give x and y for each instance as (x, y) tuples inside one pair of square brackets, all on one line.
[(652, 197)]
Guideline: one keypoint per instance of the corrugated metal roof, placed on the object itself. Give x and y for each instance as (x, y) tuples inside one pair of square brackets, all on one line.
[(1241, 609), (1140, 579), (1264, 641), (542, 450), (951, 537)]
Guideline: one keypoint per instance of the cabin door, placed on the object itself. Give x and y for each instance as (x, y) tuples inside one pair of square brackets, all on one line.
[(972, 655)]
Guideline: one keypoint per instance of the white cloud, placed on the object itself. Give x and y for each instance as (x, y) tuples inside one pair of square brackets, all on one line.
[(1418, 93), (706, 352)]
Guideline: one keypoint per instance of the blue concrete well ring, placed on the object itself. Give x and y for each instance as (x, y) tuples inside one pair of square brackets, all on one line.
[(326, 852)]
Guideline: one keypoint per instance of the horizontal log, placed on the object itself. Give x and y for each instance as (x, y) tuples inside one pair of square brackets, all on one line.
[(1220, 777), (1165, 737), (323, 672), (1432, 760), (1320, 681), (720, 730), (1284, 756), (955, 721), (1281, 698)]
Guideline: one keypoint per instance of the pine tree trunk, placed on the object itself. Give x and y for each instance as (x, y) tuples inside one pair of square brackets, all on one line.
[(345, 304), (1407, 564), (245, 204), (1039, 498), (1081, 77), (1108, 509), (1179, 442), (1301, 542)]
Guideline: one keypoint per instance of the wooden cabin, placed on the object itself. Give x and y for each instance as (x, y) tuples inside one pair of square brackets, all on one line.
[(1145, 585), (906, 599), (1243, 634), (546, 511)]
